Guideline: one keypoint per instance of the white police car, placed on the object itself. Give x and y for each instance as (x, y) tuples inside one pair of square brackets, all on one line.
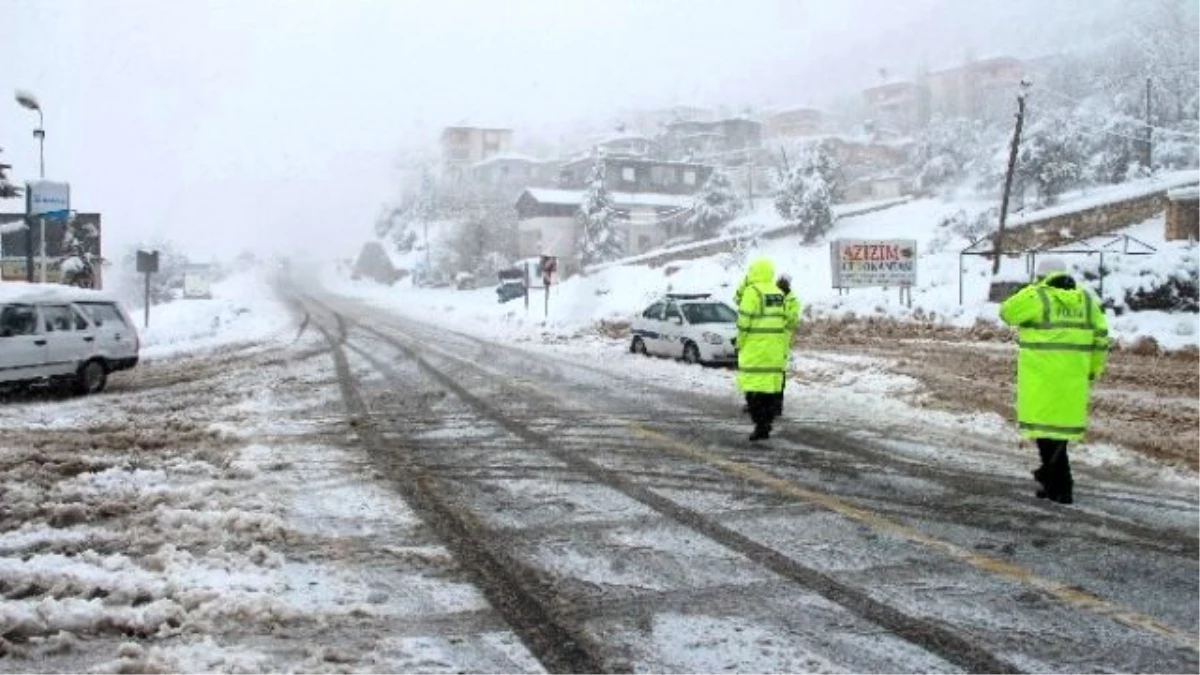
[(689, 326)]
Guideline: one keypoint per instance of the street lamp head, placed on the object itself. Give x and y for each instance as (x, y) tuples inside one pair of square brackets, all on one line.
[(28, 100)]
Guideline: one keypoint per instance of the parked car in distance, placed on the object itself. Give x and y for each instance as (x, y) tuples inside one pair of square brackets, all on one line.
[(512, 284), (60, 334), (689, 326)]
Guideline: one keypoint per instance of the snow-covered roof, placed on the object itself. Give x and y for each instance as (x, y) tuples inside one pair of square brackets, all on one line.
[(25, 292), (508, 157), (9, 228), (893, 83), (575, 197), (462, 125), (622, 136), (965, 66)]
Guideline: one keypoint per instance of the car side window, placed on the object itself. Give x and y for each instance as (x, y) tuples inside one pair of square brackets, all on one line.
[(57, 318), (103, 313), (81, 322), (17, 320), (672, 313), (654, 312)]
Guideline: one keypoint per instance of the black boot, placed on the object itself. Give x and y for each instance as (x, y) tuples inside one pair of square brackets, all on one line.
[(761, 433)]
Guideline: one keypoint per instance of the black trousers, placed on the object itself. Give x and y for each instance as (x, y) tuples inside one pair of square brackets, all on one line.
[(1055, 472), (764, 408)]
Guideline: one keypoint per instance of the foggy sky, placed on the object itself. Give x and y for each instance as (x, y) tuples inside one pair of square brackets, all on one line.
[(275, 125)]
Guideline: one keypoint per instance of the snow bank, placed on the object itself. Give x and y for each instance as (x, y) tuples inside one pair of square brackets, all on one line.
[(243, 309)]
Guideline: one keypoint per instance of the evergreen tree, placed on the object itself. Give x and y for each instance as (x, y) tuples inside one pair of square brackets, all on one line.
[(599, 239), (7, 189), (805, 197), (716, 205), (81, 245)]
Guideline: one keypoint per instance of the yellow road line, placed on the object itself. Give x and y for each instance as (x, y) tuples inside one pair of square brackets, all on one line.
[(1072, 596)]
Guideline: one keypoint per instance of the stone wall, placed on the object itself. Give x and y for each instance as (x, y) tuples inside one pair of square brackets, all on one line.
[(1063, 229), (1183, 219)]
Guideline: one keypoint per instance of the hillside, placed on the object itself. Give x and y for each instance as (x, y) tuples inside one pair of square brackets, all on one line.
[(615, 293)]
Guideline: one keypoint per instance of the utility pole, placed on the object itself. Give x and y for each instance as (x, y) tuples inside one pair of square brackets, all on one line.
[(997, 243), (750, 185), (1149, 128)]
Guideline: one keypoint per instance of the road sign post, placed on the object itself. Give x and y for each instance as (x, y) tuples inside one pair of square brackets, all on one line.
[(147, 263), (549, 266)]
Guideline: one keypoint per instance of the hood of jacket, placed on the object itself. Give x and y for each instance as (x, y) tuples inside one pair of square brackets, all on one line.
[(761, 272)]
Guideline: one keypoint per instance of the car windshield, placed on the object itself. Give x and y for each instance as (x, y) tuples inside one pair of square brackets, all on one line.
[(709, 312)]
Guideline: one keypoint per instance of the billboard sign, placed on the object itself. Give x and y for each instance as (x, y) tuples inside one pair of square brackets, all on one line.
[(44, 197), (863, 263)]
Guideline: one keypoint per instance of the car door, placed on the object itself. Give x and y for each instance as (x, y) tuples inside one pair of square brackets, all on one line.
[(649, 327), (65, 346), (22, 346), (673, 329)]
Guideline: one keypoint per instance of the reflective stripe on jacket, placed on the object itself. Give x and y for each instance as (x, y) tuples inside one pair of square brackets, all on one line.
[(1062, 346), (764, 338)]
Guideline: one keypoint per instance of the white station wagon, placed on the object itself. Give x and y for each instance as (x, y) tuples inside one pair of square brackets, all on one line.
[(51, 333), (689, 326)]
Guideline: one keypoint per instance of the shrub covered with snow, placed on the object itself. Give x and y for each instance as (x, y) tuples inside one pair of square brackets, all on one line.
[(1176, 293), (806, 194), (717, 204)]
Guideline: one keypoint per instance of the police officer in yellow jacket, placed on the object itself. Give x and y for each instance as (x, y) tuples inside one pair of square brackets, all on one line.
[(764, 340), (1062, 349)]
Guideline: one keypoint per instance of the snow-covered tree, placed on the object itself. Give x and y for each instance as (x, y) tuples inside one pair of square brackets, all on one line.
[(716, 205), (600, 241), (1051, 159), (485, 239), (81, 246), (950, 150), (806, 195), (7, 189)]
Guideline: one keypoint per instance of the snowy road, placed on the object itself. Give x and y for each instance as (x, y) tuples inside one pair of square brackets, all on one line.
[(621, 524), (372, 493)]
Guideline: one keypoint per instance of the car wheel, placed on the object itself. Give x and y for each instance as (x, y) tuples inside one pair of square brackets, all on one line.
[(93, 377), (638, 347), (691, 353)]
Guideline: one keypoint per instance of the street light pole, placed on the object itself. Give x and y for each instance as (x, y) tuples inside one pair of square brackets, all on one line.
[(40, 134), (28, 100)]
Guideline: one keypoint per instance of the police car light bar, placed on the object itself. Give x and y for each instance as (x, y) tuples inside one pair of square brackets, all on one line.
[(688, 296)]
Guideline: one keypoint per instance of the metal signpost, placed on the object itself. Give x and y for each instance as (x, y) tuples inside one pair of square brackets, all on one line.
[(147, 263), (44, 200), (549, 267), (527, 286), (864, 263)]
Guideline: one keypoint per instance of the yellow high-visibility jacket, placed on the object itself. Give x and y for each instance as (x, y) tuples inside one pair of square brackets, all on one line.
[(1062, 347), (764, 338)]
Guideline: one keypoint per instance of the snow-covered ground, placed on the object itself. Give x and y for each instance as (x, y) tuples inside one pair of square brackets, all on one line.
[(243, 309), (616, 293), (213, 513)]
